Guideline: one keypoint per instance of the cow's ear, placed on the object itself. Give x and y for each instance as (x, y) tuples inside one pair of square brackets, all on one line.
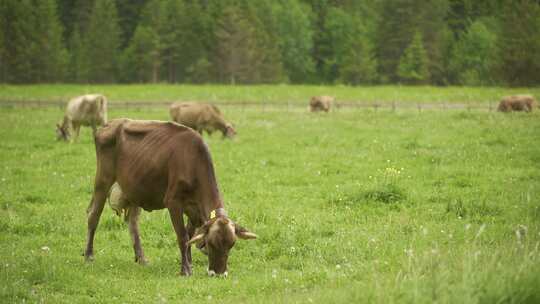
[(243, 233)]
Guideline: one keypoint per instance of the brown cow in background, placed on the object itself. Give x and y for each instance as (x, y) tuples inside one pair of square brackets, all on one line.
[(87, 110), (161, 165), (517, 103), (321, 103), (201, 117)]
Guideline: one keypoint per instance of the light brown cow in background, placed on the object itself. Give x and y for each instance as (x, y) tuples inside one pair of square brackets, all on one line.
[(201, 117), (321, 103), (161, 165), (86, 110), (517, 103)]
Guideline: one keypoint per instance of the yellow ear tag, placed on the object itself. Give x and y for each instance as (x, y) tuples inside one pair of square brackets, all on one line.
[(213, 214)]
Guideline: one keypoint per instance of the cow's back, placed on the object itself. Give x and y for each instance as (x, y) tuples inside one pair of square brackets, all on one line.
[(191, 114), (140, 153), (88, 109)]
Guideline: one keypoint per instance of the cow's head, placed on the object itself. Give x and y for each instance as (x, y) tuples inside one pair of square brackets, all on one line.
[(62, 133), (218, 237), (230, 132)]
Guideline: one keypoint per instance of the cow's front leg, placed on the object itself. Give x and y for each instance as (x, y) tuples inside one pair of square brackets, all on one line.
[(133, 218), (76, 130), (182, 237), (101, 190)]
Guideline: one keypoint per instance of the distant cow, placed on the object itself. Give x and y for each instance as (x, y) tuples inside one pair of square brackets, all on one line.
[(517, 103), (321, 103), (86, 110), (201, 117), (161, 165)]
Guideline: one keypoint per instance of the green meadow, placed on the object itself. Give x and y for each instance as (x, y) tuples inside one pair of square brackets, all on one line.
[(353, 206)]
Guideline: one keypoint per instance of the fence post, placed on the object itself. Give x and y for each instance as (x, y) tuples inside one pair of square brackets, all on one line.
[(419, 106), (394, 106)]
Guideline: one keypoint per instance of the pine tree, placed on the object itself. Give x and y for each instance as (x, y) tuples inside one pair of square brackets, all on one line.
[(171, 43), (102, 42), (234, 37), (197, 37), (519, 43), (141, 59), (265, 64), (295, 40), (473, 55), (77, 70), (50, 59), (413, 65), (19, 35), (359, 65)]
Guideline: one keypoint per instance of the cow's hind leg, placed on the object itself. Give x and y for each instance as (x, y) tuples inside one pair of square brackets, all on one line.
[(176, 213), (133, 217), (102, 187), (76, 131)]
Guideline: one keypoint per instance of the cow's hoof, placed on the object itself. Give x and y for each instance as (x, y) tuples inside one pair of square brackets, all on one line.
[(88, 257), (141, 261), (186, 272)]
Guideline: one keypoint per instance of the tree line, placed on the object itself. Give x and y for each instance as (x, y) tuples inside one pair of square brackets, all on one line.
[(439, 42)]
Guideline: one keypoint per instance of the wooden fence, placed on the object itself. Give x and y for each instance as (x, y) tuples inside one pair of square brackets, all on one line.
[(272, 106)]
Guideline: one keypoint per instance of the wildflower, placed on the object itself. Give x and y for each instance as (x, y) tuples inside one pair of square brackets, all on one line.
[(45, 248)]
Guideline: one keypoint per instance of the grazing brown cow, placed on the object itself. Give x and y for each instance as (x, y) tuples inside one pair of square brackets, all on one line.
[(201, 117), (517, 103), (320, 103), (163, 165)]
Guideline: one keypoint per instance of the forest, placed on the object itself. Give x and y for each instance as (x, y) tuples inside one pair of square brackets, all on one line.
[(351, 42)]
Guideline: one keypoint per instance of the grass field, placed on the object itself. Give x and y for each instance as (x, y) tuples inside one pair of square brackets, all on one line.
[(350, 207), (294, 94)]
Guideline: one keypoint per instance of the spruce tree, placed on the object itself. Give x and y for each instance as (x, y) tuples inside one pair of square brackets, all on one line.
[(413, 66), (234, 39), (473, 56), (141, 59), (359, 65), (77, 70), (170, 35), (102, 42), (295, 40), (51, 58), (19, 34), (518, 43)]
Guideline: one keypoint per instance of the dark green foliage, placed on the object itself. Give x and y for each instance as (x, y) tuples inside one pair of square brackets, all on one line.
[(473, 56), (140, 61), (295, 40), (472, 42), (413, 65), (102, 42), (519, 43), (31, 41)]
